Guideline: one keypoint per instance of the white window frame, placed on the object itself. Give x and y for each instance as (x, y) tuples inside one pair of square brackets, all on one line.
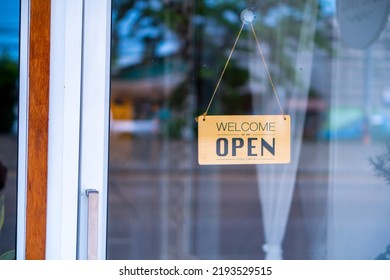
[(95, 117), (78, 124), (22, 129)]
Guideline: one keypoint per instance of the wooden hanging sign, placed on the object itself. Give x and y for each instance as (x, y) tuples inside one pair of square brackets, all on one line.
[(262, 139), (255, 139)]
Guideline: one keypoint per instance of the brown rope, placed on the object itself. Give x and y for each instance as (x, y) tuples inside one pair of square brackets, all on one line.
[(227, 62)]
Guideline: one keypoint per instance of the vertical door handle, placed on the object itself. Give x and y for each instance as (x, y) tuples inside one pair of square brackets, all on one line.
[(93, 224)]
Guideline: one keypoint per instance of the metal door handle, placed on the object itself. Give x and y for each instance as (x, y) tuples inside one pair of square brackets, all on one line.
[(93, 224)]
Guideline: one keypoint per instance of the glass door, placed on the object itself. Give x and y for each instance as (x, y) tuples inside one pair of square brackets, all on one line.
[(330, 202), (166, 59), (9, 101)]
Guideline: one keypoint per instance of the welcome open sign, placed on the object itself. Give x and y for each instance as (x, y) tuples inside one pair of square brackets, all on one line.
[(262, 139)]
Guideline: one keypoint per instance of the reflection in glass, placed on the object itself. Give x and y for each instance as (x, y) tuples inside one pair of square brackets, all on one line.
[(9, 72), (167, 57)]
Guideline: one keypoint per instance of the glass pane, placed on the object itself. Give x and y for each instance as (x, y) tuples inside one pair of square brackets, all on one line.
[(330, 202), (9, 73)]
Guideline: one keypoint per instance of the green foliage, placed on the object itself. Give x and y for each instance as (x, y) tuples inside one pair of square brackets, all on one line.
[(2, 210), (232, 101), (381, 164), (10, 255), (206, 31), (8, 73), (175, 127), (8, 92)]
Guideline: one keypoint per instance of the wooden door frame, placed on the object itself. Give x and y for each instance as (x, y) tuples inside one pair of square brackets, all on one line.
[(63, 109), (49, 128), (38, 127)]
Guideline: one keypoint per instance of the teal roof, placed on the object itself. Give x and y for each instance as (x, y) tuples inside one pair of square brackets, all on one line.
[(153, 69)]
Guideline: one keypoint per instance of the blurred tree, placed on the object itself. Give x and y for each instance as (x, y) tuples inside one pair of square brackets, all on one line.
[(8, 92), (205, 31), (381, 164)]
